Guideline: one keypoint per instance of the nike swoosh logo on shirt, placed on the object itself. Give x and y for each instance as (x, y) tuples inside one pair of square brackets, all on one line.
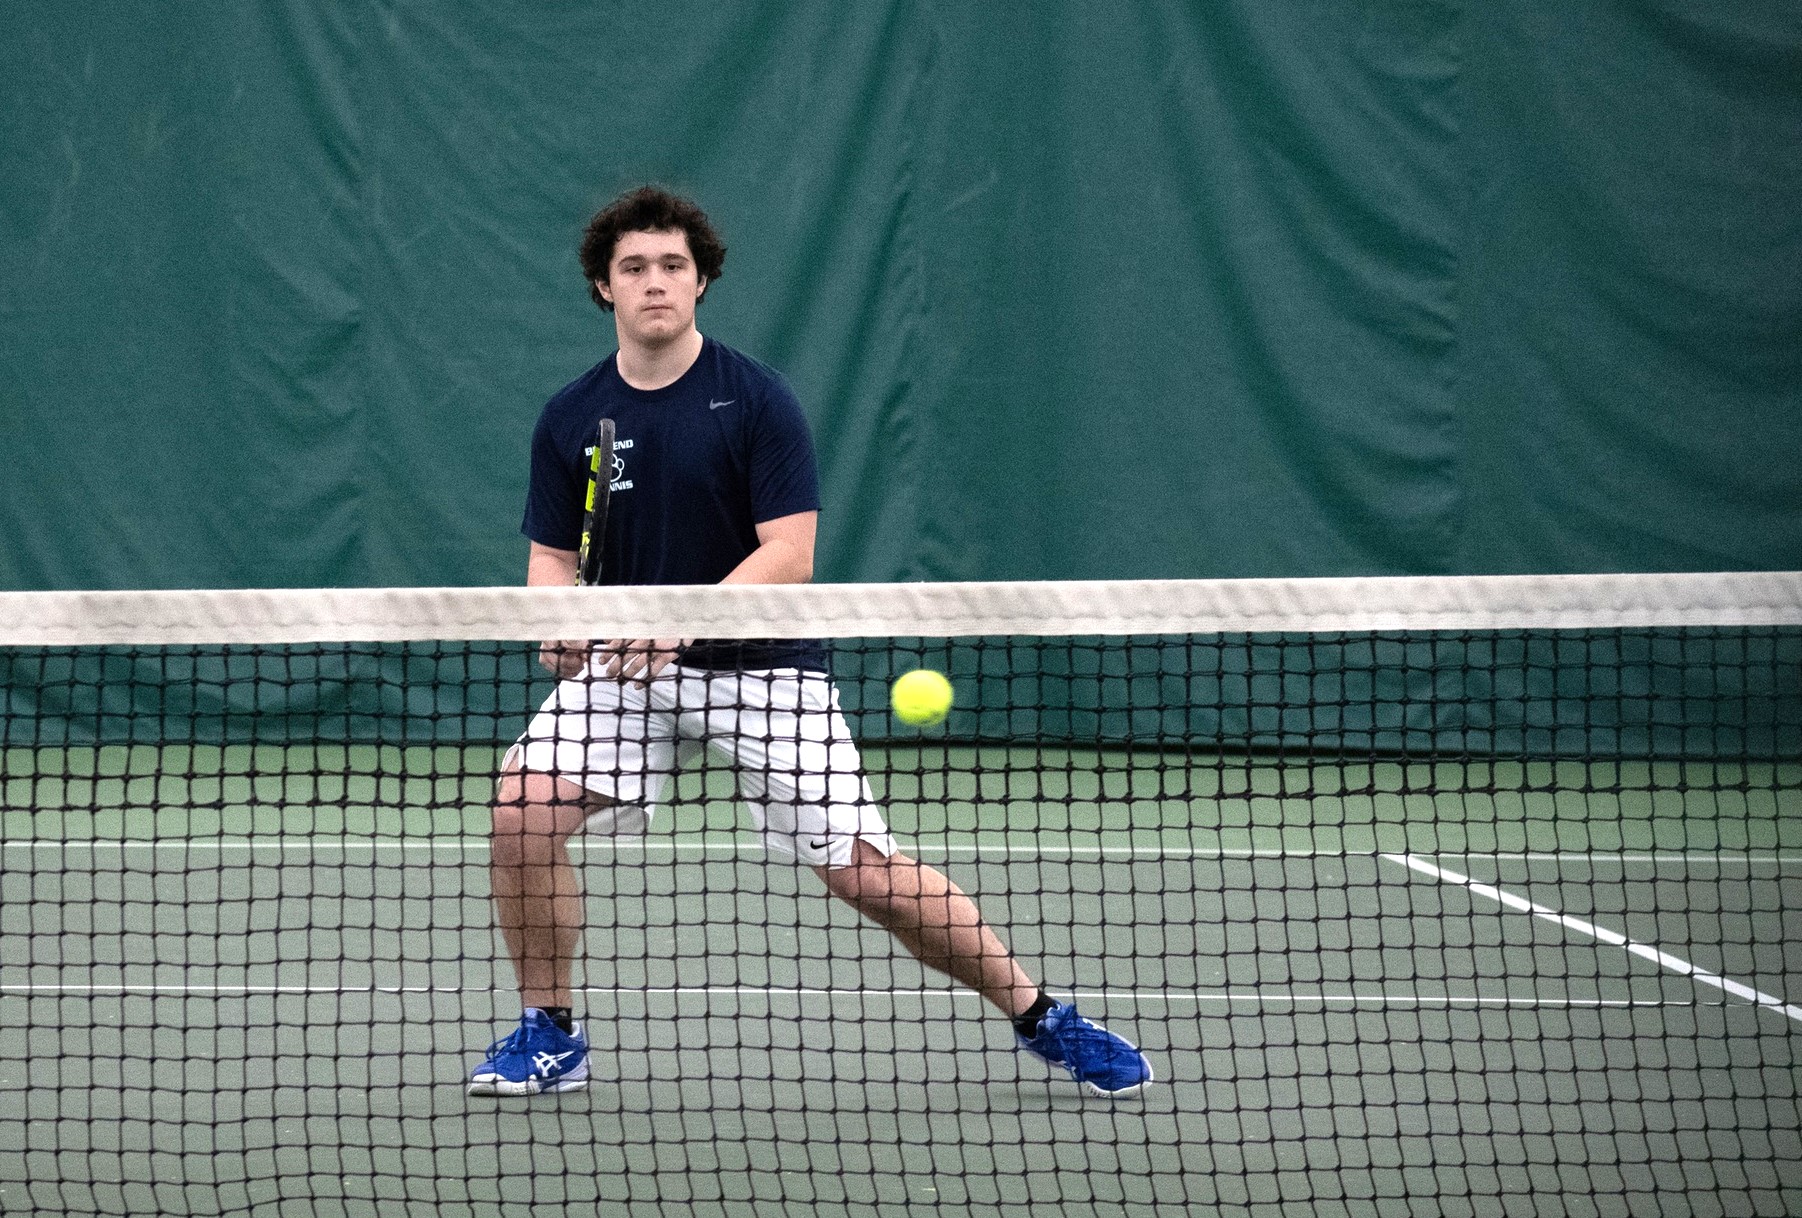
[(713, 405)]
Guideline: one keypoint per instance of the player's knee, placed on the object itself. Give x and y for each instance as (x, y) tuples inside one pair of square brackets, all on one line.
[(529, 811), (872, 886), (507, 819), (856, 883)]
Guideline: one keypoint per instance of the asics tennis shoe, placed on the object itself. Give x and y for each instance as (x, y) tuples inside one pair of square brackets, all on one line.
[(538, 1058), (1106, 1063)]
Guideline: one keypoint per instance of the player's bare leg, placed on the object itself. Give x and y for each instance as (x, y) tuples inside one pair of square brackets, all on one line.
[(935, 921), (537, 898), (538, 905)]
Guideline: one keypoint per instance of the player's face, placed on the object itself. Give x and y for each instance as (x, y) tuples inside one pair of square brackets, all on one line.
[(653, 286)]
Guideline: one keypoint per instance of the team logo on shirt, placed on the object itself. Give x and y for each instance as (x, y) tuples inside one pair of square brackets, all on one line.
[(620, 481), (617, 479)]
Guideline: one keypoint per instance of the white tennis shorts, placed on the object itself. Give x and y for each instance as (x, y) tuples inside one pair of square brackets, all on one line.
[(781, 730)]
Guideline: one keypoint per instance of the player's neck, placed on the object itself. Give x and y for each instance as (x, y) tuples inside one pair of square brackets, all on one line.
[(645, 366)]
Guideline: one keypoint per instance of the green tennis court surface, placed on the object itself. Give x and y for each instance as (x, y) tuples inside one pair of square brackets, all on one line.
[(1368, 990)]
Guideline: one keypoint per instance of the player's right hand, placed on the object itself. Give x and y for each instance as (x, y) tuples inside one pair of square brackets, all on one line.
[(639, 661), (565, 658)]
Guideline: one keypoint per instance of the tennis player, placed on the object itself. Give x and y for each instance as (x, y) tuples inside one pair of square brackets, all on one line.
[(713, 480)]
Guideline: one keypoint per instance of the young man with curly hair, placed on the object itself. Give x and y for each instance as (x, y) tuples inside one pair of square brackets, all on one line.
[(714, 481)]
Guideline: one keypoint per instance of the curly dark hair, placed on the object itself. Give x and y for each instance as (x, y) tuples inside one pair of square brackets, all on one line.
[(648, 209)]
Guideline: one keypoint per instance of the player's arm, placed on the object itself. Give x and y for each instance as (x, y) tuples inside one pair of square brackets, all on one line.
[(549, 567), (784, 555)]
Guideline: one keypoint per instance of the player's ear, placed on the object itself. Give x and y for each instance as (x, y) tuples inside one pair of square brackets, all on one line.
[(701, 288), (600, 285)]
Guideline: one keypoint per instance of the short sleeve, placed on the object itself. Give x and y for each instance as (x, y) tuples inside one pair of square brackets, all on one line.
[(785, 476), (553, 497)]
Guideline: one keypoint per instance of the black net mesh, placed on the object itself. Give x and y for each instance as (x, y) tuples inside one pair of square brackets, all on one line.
[(1475, 921)]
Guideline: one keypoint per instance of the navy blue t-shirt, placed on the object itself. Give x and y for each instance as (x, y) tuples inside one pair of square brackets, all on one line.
[(697, 465)]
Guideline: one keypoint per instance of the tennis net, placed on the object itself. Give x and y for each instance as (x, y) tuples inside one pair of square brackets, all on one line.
[(1471, 896)]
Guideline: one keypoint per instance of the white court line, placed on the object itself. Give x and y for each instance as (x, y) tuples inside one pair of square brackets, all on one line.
[(1227, 998), (1613, 938), (1000, 848)]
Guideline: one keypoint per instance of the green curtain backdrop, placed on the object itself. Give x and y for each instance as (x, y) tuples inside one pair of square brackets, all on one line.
[(1069, 290)]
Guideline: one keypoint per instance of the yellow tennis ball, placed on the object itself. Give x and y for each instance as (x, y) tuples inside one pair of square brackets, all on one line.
[(921, 697)]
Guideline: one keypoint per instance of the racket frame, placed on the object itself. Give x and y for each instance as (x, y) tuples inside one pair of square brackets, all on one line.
[(594, 506)]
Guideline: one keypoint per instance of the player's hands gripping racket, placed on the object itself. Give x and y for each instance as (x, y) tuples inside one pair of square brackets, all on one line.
[(569, 659)]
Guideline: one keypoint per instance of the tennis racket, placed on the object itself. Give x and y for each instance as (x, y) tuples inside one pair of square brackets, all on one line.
[(594, 507)]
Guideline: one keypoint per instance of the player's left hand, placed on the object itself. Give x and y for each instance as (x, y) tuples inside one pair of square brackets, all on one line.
[(638, 661)]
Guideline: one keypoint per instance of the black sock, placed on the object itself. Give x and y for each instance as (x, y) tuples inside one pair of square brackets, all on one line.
[(1026, 1023), (561, 1017)]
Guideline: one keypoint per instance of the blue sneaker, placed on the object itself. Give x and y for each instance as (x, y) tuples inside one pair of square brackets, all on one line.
[(538, 1058), (1107, 1064)]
